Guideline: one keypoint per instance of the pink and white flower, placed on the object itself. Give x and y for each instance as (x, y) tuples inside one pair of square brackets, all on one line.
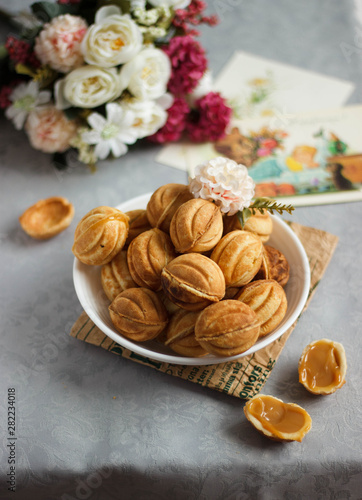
[(225, 182), (49, 130), (59, 43)]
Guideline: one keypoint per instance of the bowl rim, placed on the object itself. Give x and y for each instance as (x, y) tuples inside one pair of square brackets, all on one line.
[(174, 358)]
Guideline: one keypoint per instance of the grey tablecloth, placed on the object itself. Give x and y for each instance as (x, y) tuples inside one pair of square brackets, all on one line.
[(93, 425)]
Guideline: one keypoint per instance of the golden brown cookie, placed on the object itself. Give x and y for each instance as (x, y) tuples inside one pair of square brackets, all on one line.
[(164, 202), (259, 224), (138, 314), (268, 300), (100, 235), (274, 266), (47, 218), (193, 281), (138, 223), (196, 226), (227, 328), (239, 255), (180, 334), (115, 276), (147, 255)]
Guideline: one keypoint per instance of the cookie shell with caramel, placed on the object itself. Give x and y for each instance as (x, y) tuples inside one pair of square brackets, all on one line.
[(227, 328), (268, 300), (138, 314), (239, 255), (147, 255), (197, 226), (193, 281), (180, 334), (115, 276), (100, 235), (164, 202)]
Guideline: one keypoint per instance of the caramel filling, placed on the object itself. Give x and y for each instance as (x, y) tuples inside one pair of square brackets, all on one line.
[(320, 366), (277, 417)]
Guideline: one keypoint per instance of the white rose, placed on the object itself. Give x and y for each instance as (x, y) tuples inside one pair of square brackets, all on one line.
[(88, 87), (176, 4), (148, 116), (113, 39), (147, 75)]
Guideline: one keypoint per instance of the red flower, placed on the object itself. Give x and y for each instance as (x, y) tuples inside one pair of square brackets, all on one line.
[(188, 63), (175, 125), (210, 118), (192, 15), (20, 51)]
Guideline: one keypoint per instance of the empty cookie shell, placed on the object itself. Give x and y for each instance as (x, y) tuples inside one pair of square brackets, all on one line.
[(322, 367), (47, 218), (277, 420)]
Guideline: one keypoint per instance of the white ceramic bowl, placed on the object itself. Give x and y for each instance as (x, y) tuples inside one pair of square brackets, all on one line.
[(87, 282)]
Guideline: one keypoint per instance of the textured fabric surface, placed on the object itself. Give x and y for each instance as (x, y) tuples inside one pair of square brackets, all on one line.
[(90, 425)]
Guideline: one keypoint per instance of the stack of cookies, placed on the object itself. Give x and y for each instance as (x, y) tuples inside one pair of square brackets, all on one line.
[(183, 273)]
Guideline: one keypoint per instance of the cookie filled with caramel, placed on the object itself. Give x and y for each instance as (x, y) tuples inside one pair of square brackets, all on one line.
[(147, 255), (196, 226), (115, 276), (138, 314), (227, 328), (180, 334), (239, 256), (100, 235), (164, 202), (193, 281)]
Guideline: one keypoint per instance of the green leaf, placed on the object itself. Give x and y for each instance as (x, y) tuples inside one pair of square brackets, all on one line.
[(72, 113), (46, 11), (3, 51), (243, 215), (22, 69)]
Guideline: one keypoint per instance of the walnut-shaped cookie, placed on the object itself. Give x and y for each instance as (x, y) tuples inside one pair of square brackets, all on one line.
[(259, 224), (239, 255), (180, 334), (274, 266), (100, 235), (147, 255), (196, 226), (193, 281), (138, 314), (115, 276), (267, 298), (138, 223), (164, 202), (227, 328)]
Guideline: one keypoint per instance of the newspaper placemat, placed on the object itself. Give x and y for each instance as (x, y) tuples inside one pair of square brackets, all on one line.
[(243, 378)]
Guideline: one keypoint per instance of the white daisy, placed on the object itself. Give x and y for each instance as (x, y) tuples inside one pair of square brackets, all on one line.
[(111, 134), (25, 98)]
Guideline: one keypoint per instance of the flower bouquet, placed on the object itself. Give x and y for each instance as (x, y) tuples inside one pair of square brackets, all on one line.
[(95, 77)]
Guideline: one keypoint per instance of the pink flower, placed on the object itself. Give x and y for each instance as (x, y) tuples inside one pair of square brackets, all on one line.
[(49, 130), (58, 44), (188, 63), (209, 119), (263, 152), (175, 125)]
